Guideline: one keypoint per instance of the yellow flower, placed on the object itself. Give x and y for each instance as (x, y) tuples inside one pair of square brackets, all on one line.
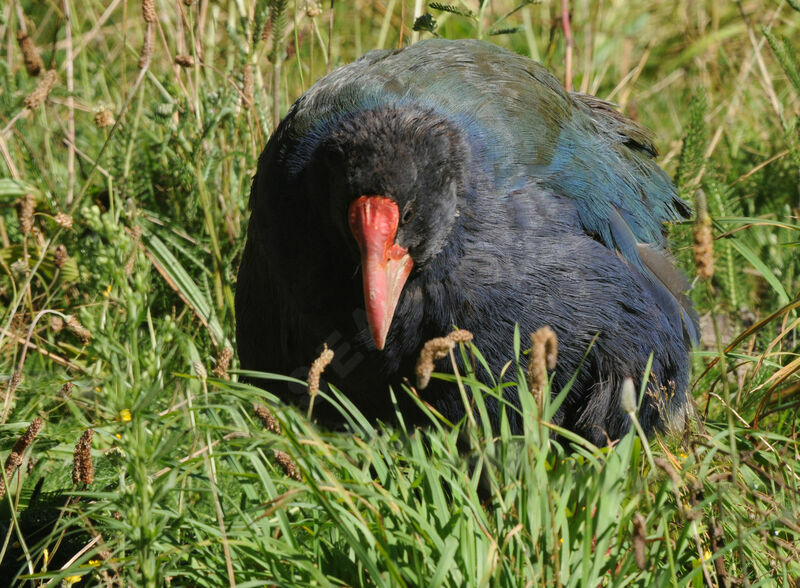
[(69, 580), (95, 562), (107, 292), (117, 435), (707, 555), (125, 415)]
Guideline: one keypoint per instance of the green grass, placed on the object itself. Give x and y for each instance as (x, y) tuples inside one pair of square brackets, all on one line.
[(186, 486)]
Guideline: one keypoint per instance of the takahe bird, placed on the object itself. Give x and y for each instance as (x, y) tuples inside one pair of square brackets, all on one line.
[(453, 183)]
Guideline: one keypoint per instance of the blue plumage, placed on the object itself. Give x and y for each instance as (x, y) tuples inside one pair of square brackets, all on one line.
[(533, 206)]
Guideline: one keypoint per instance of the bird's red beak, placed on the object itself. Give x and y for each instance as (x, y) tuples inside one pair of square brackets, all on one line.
[(385, 265)]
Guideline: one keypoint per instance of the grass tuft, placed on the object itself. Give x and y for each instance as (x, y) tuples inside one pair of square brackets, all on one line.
[(125, 165)]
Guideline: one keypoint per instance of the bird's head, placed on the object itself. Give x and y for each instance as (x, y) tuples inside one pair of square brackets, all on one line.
[(394, 176)]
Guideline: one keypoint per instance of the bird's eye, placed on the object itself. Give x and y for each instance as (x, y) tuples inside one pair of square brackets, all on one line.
[(408, 214)]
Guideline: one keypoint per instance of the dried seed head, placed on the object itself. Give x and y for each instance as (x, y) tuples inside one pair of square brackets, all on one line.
[(147, 47), (544, 355), (639, 540), (38, 236), (27, 438), (312, 9), (223, 363), (184, 60), (248, 85), (287, 465), (63, 220), (703, 247), (66, 390), (104, 118), (435, 349), (266, 33), (42, 90), (200, 370), (60, 256), (56, 323), (267, 418), (13, 383), (460, 336), (33, 61), (14, 459), (82, 466), (25, 210), (20, 268), (149, 11), (627, 397), (319, 365), (78, 329)]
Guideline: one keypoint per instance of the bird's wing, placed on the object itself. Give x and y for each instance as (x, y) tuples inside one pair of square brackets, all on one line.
[(633, 144)]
